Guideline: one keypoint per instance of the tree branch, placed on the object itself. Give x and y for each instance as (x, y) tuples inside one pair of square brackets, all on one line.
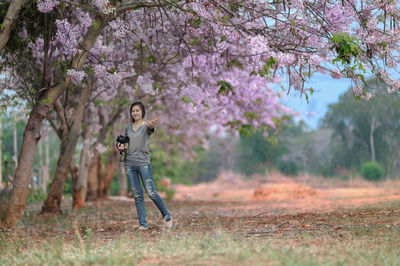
[(10, 19)]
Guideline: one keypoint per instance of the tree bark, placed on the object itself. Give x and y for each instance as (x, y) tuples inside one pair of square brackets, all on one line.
[(41, 166), (10, 19), (111, 167), (371, 138), (123, 186), (77, 200), (16, 204), (95, 172), (1, 156), (68, 146), (93, 182), (46, 170), (79, 188)]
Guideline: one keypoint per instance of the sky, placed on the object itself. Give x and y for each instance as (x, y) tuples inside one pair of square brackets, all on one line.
[(326, 91)]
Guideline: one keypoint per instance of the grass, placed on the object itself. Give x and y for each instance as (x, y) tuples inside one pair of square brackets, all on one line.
[(359, 247), (104, 235)]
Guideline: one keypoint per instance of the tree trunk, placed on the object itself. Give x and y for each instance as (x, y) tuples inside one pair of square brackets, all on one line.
[(77, 200), (1, 156), (10, 19), (16, 204), (79, 189), (109, 173), (371, 138), (123, 186), (94, 172), (68, 145), (41, 166), (100, 177), (15, 144), (46, 170)]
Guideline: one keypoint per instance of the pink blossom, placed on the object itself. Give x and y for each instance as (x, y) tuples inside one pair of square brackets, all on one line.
[(145, 83), (46, 6), (84, 18), (67, 37), (119, 27), (76, 76)]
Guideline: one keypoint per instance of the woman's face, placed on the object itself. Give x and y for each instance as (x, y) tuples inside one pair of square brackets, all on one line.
[(136, 113)]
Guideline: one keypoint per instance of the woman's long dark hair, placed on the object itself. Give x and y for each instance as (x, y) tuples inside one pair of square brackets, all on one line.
[(141, 106)]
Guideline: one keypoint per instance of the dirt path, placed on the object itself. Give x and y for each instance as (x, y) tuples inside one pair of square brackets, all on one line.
[(247, 208), (288, 196)]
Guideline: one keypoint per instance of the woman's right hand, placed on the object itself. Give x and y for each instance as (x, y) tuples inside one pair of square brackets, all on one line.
[(120, 147)]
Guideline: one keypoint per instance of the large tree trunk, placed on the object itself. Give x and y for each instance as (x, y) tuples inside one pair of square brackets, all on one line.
[(10, 19), (68, 146), (93, 180), (16, 204), (107, 178)]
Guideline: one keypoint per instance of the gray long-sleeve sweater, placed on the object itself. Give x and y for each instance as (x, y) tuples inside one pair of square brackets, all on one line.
[(138, 152)]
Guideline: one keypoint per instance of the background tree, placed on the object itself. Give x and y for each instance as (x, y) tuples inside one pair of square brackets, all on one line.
[(365, 130)]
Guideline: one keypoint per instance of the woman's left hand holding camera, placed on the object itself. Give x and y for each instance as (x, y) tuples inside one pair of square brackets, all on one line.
[(120, 146)]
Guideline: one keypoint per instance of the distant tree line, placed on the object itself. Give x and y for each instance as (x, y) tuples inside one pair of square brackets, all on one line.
[(354, 131)]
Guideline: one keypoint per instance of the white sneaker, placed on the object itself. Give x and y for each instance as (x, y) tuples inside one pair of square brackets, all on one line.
[(142, 228), (169, 224)]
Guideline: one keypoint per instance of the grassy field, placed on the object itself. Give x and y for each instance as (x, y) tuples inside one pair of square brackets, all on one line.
[(206, 234)]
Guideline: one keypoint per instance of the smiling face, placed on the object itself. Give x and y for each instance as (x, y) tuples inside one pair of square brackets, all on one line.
[(136, 113)]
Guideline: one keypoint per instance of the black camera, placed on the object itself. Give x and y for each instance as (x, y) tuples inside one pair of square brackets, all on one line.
[(124, 140)]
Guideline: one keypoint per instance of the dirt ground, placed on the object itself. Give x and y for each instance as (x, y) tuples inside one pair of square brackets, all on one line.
[(273, 205)]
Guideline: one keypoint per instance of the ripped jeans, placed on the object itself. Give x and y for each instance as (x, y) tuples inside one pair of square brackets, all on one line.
[(145, 174)]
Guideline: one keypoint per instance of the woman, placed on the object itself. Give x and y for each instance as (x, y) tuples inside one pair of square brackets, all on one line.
[(137, 164)]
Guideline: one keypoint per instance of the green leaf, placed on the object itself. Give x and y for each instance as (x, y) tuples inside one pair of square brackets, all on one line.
[(246, 130), (152, 58), (251, 115), (268, 66), (44, 101), (225, 87), (277, 121), (308, 101), (186, 99), (97, 102), (95, 25), (196, 23)]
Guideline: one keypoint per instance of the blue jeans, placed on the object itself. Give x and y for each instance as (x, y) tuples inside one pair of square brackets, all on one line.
[(145, 174)]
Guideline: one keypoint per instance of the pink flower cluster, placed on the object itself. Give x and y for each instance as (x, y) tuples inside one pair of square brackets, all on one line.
[(67, 38), (76, 76), (46, 6)]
